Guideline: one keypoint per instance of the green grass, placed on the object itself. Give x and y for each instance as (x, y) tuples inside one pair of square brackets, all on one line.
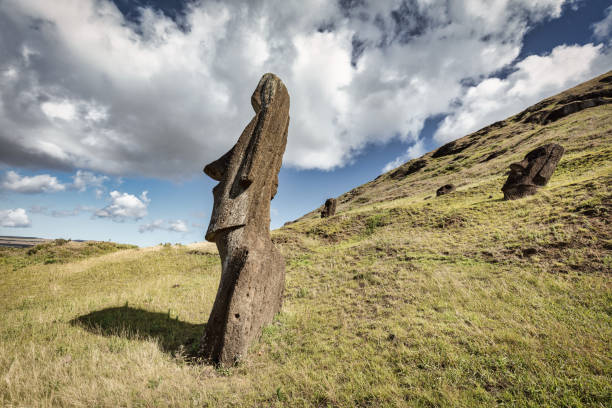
[(400, 299)]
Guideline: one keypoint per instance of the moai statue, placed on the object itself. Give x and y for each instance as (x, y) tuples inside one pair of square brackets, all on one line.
[(253, 270), (445, 189), (329, 209), (533, 172)]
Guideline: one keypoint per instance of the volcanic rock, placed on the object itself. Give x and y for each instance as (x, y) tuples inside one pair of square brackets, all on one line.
[(493, 155), (253, 270), (453, 147), (565, 107), (404, 170)]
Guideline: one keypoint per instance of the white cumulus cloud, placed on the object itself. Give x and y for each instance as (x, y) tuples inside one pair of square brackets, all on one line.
[(124, 207), (42, 183), (603, 29), (85, 179), (14, 218), (536, 78), (82, 87)]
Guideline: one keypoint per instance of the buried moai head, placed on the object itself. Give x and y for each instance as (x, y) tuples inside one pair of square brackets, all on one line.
[(248, 173), (532, 172), (329, 209), (445, 189), (253, 270)]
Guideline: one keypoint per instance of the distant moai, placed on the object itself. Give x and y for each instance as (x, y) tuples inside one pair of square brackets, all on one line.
[(329, 209), (532, 172), (445, 189), (253, 270)]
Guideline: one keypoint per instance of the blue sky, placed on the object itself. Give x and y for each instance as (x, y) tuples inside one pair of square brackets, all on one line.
[(110, 110)]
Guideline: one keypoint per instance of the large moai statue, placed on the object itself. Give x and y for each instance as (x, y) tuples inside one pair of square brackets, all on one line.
[(253, 270), (532, 172)]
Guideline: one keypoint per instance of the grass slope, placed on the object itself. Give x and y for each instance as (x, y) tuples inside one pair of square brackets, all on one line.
[(401, 299)]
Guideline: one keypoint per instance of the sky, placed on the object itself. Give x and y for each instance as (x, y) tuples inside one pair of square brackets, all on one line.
[(109, 110)]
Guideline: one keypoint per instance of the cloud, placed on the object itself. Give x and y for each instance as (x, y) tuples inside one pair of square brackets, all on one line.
[(173, 226), (84, 179), (124, 207), (178, 226), (603, 28), (42, 183), (81, 87), (414, 151), (45, 183), (15, 218), (39, 209), (535, 78)]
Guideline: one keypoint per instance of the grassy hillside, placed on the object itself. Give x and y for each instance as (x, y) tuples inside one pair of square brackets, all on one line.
[(56, 251), (401, 299)]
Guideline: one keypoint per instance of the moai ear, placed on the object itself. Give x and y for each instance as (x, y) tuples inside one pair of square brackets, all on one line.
[(216, 170)]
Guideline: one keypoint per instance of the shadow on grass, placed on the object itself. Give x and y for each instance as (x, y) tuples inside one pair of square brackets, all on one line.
[(172, 335)]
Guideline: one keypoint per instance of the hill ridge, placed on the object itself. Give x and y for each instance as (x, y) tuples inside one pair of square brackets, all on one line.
[(594, 93)]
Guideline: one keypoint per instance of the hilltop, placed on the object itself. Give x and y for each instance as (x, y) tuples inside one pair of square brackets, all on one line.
[(486, 154), (400, 299), (20, 242)]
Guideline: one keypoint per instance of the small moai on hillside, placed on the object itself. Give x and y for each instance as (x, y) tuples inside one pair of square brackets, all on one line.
[(532, 172), (329, 209), (253, 270), (445, 189)]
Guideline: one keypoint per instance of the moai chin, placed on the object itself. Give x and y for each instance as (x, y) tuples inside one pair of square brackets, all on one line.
[(532, 172), (253, 270)]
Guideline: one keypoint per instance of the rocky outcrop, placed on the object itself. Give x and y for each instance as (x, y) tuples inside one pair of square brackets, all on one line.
[(253, 270), (329, 209), (564, 107), (406, 169), (445, 189), (453, 147), (493, 155), (532, 172)]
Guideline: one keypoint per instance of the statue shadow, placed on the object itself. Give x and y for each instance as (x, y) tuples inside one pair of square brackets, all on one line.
[(175, 337)]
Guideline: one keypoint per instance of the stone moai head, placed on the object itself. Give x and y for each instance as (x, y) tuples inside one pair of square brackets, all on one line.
[(445, 189), (532, 172), (248, 172), (329, 208)]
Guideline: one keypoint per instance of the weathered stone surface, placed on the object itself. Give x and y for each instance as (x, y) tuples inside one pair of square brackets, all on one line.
[(565, 107), (493, 155), (253, 270), (329, 209), (532, 172), (448, 188), (406, 169), (453, 147)]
